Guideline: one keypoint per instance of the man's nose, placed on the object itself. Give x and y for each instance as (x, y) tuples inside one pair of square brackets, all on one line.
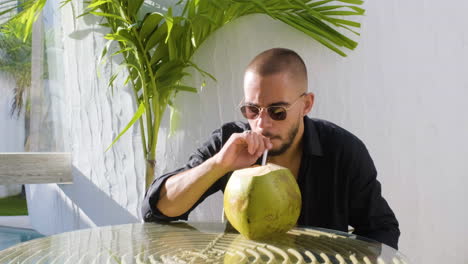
[(263, 119)]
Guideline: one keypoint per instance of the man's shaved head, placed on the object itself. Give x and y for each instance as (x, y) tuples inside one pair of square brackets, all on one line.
[(279, 60), (278, 78)]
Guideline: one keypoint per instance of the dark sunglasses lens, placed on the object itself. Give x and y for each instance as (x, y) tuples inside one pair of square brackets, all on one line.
[(277, 112), (249, 112)]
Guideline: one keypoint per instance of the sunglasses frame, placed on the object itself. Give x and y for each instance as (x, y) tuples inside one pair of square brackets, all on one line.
[(260, 109)]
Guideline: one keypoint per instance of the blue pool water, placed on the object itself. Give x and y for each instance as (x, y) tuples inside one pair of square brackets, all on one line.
[(12, 236)]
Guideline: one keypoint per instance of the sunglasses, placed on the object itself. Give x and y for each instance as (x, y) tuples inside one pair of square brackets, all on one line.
[(275, 112)]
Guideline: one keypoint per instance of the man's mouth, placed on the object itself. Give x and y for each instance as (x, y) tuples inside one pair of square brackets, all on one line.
[(271, 136)]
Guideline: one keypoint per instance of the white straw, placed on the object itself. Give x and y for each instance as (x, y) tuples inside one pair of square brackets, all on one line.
[(264, 159)]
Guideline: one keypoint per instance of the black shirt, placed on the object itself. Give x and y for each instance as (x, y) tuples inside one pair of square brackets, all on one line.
[(337, 179)]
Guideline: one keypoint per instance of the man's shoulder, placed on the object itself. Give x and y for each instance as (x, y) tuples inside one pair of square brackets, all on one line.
[(235, 126), (227, 129), (332, 135), (328, 128)]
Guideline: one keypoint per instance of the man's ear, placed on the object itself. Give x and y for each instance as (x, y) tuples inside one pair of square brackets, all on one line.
[(309, 103)]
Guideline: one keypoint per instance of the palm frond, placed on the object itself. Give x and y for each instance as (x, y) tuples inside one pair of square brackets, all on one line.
[(15, 61), (26, 12)]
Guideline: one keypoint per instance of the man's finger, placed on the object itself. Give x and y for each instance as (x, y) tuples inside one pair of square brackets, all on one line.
[(267, 143), (255, 143), (257, 140), (250, 142), (261, 145)]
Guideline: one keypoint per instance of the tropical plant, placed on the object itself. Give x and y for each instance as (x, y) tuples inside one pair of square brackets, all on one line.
[(15, 60), (23, 11), (158, 49), (15, 46)]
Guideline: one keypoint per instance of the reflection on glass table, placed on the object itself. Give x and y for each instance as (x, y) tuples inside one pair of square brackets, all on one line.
[(198, 243)]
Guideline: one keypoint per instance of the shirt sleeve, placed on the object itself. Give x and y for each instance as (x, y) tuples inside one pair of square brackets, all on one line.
[(370, 214), (149, 210)]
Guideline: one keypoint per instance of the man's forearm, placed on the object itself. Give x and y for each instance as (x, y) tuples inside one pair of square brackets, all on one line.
[(181, 191)]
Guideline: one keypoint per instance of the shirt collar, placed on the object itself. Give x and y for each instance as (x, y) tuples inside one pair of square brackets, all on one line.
[(311, 141)]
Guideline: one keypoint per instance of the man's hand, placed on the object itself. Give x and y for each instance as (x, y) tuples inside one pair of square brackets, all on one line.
[(181, 191), (242, 150)]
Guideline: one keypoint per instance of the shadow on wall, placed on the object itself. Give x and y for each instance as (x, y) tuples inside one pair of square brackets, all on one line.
[(98, 206)]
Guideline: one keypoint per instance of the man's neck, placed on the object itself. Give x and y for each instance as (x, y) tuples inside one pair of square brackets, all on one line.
[(292, 154)]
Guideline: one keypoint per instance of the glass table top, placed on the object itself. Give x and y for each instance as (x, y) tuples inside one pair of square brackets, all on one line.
[(198, 243)]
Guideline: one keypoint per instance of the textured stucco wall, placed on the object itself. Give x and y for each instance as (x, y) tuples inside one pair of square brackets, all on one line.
[(84, 117), (11, 129), (403, 92)]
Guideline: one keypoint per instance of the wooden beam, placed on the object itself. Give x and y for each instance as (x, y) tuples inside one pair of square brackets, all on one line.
[(35, 167)]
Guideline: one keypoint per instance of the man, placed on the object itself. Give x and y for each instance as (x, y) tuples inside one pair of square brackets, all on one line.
[(333, 168)]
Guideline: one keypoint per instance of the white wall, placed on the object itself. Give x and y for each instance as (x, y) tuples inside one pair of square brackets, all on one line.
[(403, 92)]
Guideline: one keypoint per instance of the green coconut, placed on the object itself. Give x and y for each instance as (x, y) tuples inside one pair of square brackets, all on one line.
[(262, 201)]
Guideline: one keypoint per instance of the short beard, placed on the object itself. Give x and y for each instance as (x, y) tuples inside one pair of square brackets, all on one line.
[(285, 146)]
